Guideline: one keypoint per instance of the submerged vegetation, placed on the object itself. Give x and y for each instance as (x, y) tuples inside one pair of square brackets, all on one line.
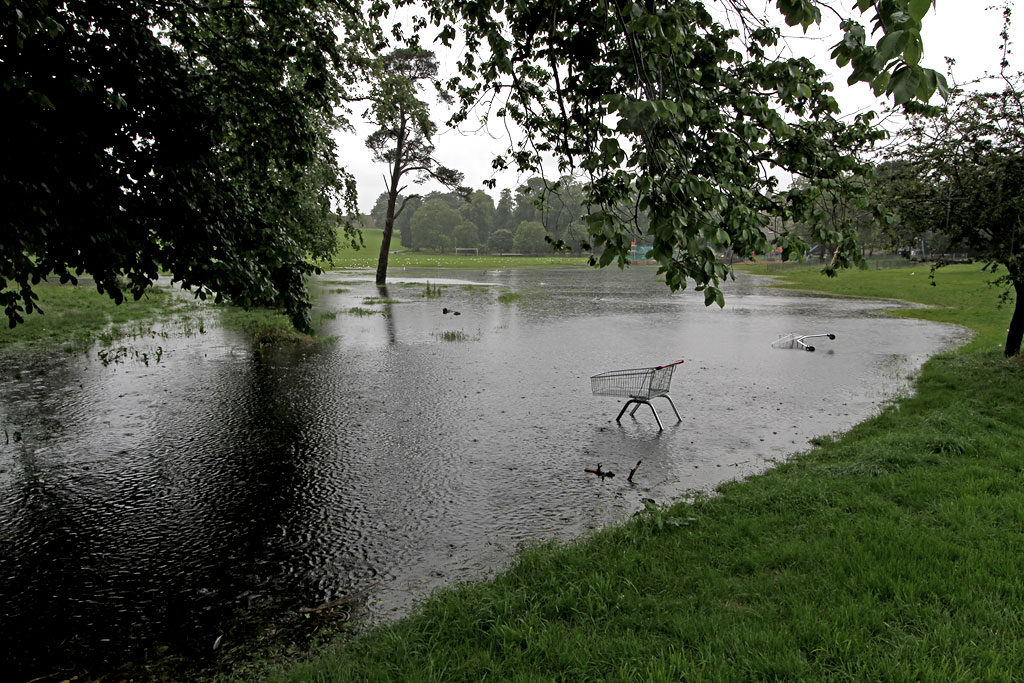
[(510, 297), (76, 317), (888, 552), (267, 327), (452, 336), (359, 311), (433, 291)]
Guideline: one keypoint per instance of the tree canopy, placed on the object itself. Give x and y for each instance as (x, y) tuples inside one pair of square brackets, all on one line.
[(193, 136), (960, 172), (187, 137), (656, 108)]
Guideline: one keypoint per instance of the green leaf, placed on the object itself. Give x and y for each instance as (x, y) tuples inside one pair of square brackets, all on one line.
[(940, 83), (914, 48), (919, 8), (928, 85), (890, 45), (881, 82), (904, 84)]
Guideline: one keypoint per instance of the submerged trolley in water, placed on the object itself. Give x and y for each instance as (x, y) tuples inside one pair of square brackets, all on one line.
[(639, 385), (796, 341)]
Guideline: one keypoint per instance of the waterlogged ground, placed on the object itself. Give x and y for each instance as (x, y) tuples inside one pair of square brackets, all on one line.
[(191, 492)]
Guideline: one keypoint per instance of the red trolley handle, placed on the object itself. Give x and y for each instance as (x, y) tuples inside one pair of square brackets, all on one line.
[(668, 365)]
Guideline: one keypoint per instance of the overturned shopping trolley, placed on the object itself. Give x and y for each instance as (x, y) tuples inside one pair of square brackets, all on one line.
[(797, 341), (639, 385)]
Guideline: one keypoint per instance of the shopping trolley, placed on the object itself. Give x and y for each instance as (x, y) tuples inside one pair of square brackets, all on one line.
[(796, 341), (639, 385)]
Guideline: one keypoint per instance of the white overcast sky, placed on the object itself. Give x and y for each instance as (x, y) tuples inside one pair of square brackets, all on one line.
[(966, 30)]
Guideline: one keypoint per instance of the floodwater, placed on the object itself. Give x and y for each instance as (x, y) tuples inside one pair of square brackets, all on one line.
[(158, 503)]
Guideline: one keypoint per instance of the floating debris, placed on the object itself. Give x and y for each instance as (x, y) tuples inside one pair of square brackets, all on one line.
[(598, 471)]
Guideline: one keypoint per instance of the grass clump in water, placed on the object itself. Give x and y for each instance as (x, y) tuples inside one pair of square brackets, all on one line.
[(433, 291), (453, 336), (325, 316), (268, 328), (509, 297), (361, 312)]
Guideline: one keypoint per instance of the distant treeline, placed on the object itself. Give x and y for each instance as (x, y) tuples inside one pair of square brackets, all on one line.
[(519, 222)]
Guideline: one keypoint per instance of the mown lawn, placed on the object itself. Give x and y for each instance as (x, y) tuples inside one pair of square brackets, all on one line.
[(960, 294), (892, 552)]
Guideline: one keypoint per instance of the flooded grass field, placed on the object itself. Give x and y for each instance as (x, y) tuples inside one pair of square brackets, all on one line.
[(185, 502)]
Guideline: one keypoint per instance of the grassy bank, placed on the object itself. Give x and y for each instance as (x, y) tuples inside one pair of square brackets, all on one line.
[(891, 553), (367, 256), (76, 317), (961, 294)]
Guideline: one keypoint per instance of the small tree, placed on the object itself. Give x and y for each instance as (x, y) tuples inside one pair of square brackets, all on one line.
[(404, 131), (503, 211), (466, 235), (379, 212), (961, 173), (433, 220), (403, 222), (479, 210), (500, 241), (529, 238)]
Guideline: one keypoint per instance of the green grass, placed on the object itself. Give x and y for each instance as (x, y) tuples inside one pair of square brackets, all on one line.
[(267, 327), (433, 291), (453, 336), (509, 297), (892, 552), (961, 294), (366, 257), (361, 312), (76, 317)]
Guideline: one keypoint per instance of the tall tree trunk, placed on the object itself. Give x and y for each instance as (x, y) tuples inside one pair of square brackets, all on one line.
[(1016, 332), (389, 220), (385, 244)]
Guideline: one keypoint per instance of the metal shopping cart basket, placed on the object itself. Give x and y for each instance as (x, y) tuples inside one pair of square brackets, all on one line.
[(639, 385), (798, 341)]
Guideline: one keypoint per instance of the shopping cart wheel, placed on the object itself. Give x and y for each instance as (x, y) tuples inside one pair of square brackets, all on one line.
[(831, 336), (810, 348)]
